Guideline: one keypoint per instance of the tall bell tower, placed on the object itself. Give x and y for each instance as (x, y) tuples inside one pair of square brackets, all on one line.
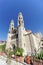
[(10, 33), (21, 30)]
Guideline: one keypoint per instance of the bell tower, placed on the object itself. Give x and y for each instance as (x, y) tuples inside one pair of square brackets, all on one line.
[(10, 34), (21, 30), (11, 26)]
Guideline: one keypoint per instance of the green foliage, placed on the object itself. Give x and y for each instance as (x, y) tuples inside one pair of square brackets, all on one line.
[(2, 48), (40, 55), (9, 53), (18, 51)]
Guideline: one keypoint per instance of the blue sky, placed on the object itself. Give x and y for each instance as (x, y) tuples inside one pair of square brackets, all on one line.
[(32, 11)]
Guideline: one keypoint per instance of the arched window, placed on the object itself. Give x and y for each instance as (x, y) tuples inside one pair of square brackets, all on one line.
[(12, 28), (19, 22), (19, 17)]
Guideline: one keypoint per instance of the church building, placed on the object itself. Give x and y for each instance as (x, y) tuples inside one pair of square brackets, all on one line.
[(22, 38)]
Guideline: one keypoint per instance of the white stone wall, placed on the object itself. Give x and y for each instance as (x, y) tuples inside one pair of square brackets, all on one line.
[(36, 42), (27, 45), (8, 45)]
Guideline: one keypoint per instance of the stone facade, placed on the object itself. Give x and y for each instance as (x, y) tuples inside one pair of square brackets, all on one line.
[(19, 37)]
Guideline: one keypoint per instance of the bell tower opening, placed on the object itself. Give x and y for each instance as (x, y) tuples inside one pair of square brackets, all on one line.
[(19, 22), (12, 28)]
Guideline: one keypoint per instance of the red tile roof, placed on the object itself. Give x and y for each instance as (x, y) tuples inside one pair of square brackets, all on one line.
[(27, 30)]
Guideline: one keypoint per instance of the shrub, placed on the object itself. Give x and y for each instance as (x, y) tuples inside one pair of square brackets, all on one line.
[(18, 51), (9, 53), (2, 47), (40, 55)]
